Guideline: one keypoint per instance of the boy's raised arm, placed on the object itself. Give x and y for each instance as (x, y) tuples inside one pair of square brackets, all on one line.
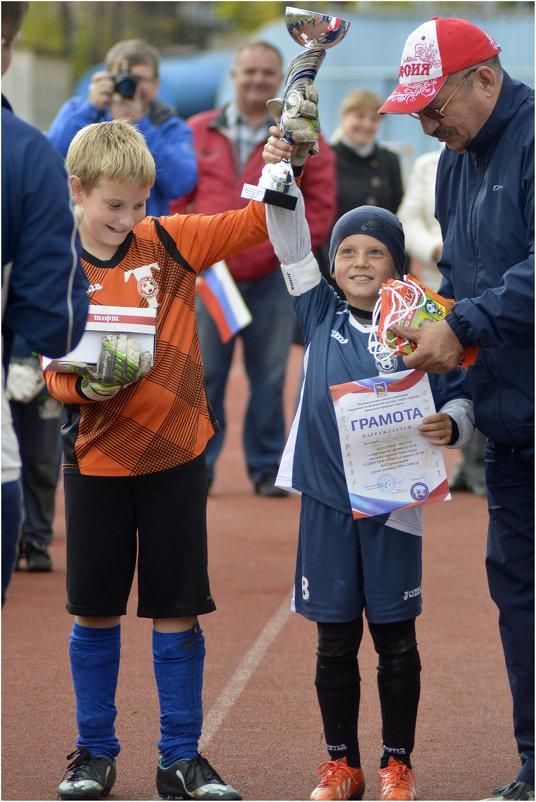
[(291, 240)]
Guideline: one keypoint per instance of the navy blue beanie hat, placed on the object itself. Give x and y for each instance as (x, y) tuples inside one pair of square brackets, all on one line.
[(375, 222)]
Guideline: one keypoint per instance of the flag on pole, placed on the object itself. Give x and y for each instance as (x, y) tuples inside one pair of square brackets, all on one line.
[(221, 296)]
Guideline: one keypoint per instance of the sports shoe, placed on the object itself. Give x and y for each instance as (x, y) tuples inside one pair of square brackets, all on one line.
[(88, 776), (397, 781), (339, 781), (458, 482), (516, 790), (21, 555), (266, 487), (37, 556), (192, 778)]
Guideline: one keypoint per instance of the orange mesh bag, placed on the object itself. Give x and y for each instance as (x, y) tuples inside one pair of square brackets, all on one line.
[(410, 304)]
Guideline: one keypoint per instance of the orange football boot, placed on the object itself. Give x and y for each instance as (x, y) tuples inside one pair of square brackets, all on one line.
[(339, 781), (397, 781)]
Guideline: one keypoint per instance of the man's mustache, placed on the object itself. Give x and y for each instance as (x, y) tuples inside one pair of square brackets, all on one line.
[(443, 133)]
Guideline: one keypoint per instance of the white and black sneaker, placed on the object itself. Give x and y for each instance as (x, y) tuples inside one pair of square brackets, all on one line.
[(88, 776), (192, 778)]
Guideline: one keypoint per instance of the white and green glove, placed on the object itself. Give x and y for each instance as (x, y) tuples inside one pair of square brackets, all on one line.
[(300, 120), (120, 363)]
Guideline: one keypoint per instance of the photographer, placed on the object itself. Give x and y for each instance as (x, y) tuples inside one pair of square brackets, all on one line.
[(127, 89)]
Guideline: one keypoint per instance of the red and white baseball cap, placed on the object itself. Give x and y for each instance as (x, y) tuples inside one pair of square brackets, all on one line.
[(435, 50)]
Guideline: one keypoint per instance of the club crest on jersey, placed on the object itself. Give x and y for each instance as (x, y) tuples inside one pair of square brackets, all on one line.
[(147, 287), (146, 282), (386, 363)]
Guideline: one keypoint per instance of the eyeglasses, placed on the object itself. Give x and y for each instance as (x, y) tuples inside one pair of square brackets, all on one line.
[(438, 114)]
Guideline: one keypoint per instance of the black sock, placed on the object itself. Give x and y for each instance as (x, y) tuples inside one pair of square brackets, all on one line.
[(384, 761), (339, 707), (399, 689)]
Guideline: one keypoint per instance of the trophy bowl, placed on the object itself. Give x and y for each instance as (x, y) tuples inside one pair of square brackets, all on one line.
[(315, 33), (311, 29)]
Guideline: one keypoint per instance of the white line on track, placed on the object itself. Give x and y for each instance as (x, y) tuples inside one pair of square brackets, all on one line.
[(230, 694)]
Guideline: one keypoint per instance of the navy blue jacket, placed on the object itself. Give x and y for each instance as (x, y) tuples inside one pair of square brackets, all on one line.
[(485, 206), (47, 297)]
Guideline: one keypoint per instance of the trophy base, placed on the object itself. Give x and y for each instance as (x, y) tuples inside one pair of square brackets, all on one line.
[(272, 196)]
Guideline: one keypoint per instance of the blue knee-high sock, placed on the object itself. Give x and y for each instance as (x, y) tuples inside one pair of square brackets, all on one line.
[(94, 657), (178, 659)]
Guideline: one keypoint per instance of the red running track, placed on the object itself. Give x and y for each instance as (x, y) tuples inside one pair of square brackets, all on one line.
[(262, 728)]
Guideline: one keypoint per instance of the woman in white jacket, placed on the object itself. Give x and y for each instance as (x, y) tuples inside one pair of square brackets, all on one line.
[(417, 215)]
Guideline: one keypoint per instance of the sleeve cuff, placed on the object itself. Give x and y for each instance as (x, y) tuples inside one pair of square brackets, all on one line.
[(460, 328), (302, 276)]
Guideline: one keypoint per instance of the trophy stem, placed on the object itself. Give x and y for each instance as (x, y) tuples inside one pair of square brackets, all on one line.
[(304, 67), (316, 33)]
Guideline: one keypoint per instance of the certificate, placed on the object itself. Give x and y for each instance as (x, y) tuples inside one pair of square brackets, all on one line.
[(388, 464)]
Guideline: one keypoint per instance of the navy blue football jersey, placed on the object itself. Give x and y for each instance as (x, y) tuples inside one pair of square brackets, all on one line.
[(336, 351)]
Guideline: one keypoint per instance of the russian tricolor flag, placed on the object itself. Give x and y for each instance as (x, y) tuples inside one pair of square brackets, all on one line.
[(221, 296)]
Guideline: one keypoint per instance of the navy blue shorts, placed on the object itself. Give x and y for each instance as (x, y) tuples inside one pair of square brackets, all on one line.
[(345, 566), (158, 520)]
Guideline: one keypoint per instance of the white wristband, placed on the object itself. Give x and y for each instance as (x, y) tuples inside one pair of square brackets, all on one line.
[(302, 276)]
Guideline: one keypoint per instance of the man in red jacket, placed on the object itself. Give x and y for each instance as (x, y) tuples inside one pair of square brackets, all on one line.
[(228, 143)]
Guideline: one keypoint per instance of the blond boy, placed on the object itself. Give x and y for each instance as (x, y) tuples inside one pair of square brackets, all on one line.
[(134, 462)]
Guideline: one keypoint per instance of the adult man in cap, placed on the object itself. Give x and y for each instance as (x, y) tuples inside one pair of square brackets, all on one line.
[(451, 80)]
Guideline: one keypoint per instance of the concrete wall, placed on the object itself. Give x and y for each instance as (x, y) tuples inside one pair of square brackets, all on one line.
[(37, 86)]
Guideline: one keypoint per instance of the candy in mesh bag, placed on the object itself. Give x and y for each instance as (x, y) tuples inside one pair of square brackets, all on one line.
[(407, 303)]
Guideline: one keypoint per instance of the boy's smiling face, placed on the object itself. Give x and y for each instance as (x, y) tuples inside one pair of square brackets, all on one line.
[(362, 265), (108, 212)]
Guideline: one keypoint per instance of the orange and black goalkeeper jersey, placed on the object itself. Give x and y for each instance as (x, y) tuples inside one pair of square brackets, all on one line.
[(163, 419)]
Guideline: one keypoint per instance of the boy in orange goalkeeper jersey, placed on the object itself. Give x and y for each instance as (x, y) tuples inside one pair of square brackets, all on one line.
[(134, 462)]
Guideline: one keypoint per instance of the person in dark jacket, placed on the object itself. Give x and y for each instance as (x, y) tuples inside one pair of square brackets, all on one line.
[(367, 173), (451, 79), (37, 421), (44, 288), (134, 98)]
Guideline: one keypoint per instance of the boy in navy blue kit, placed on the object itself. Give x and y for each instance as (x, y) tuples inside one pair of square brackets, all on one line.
[(344, 566)]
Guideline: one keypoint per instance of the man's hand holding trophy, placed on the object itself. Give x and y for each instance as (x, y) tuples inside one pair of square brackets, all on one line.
[(297, 112)]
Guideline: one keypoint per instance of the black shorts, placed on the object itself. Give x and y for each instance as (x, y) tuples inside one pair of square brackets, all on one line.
[(163, 515)]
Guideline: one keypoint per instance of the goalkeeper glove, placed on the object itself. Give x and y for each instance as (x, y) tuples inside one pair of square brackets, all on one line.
[(120, 363), (300, 120)]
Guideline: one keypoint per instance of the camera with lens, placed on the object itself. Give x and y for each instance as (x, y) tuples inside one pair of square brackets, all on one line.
[(125, 83)]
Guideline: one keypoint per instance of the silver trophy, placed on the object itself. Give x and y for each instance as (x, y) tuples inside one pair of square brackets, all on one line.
[(316, 33)]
